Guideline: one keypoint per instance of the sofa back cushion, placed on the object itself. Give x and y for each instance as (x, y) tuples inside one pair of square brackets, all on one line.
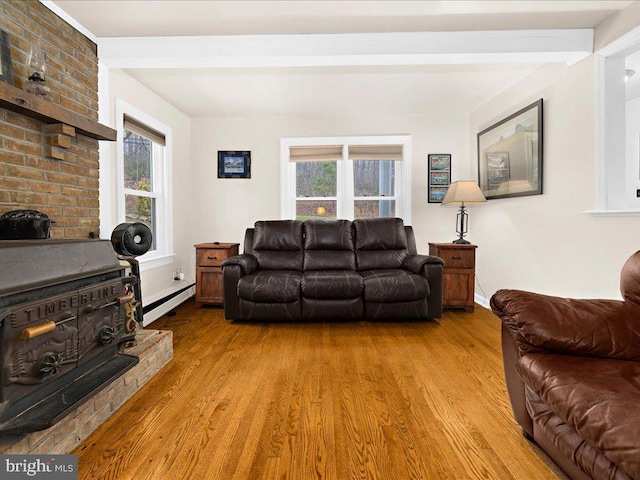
[(277, 244), (380, 243), (328, 245)]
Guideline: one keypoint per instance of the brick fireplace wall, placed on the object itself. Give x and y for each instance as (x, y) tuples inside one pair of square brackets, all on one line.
[(37, 171)]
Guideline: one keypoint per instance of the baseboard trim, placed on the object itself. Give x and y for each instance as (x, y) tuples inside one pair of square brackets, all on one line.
[(480, 300), (158, 308)]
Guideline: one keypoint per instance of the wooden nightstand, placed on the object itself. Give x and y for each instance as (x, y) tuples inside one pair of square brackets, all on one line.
[(459, 273), (209, 273)]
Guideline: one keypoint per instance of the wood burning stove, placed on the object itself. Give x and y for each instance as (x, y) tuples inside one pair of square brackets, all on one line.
[(66, 310)]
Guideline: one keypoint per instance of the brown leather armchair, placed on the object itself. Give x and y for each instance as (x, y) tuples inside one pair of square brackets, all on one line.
[(572, 369)]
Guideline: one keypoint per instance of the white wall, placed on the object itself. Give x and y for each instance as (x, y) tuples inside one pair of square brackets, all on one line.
[(229, 206), (541, 243), (158, 282), (546, 243)]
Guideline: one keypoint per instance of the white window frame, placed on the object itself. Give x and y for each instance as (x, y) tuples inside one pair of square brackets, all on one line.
[(614, 186), (345, 195), (162, 185)]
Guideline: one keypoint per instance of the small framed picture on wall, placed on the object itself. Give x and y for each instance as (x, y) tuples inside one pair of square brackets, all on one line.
[(439, 176), (232, 164)]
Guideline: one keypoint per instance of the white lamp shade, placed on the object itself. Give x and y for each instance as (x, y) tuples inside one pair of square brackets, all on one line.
[(463, 192)]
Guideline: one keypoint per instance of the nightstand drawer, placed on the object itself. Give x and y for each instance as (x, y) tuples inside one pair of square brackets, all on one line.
[(457, 258), (208, 257)]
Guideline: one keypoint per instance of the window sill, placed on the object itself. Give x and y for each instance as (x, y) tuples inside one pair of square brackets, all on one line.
[(155, 261), (613, 213)]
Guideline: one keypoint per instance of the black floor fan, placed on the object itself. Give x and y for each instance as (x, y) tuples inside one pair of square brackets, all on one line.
[(130, 240)]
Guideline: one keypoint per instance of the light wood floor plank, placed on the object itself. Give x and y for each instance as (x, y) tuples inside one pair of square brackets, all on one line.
[(334, 401)]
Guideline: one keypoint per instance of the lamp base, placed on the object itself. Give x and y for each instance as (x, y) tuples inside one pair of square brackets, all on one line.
[(461, 241)]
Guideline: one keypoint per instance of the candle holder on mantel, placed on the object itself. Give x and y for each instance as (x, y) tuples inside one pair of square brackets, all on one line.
[(38, 67)]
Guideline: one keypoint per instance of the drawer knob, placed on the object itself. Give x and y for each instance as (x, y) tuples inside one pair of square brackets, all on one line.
[(212, 258), (456, 258)]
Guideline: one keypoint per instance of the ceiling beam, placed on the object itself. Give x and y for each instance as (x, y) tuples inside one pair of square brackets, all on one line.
[(416, 48)]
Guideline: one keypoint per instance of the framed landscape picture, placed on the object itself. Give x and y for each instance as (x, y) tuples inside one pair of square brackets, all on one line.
[(232, 164), (439, 176), (510, 155)]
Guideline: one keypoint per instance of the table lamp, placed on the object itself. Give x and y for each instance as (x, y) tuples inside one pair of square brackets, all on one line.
[(463, 193)]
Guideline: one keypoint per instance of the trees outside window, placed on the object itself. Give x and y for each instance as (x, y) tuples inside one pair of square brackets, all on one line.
[(139, 197)]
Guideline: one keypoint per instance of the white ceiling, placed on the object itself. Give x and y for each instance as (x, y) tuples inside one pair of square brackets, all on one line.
[(133, 18), (398, 89), (334, 91)]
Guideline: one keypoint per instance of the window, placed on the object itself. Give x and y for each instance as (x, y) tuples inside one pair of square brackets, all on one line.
[(316, 180), (143, 180), (352, 177), (374, 180)]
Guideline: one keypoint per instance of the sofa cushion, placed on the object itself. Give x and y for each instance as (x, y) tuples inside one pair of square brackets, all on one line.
[(380, 259), (327, 235), (598, 397), (277, 244), (328, 245), (332, 284), (380, 234), (394, 285), (380, 243), (270, 286), (329, 260), (564, 438), (278, 235)]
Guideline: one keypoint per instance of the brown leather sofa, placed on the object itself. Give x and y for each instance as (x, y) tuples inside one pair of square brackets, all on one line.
[(331, 270), (573, 374)]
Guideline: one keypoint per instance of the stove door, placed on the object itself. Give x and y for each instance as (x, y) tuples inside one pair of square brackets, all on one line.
[(39, 343), (101, 321)]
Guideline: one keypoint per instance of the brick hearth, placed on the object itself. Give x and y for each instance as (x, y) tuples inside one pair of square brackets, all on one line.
[(155, 350)]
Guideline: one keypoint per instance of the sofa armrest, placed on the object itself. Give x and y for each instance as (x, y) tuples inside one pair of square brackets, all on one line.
[(230, 298), (435, 276), (600, 328), (246, 262), (432, 268), (234, 268), (416, 263)]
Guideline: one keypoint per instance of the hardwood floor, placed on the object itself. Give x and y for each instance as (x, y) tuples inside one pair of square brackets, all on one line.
[(360, 400)]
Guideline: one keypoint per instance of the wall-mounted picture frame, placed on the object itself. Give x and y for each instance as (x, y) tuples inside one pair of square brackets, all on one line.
[(510, 155), (439, 176), (436, 194), (6, 70), (232, 164)]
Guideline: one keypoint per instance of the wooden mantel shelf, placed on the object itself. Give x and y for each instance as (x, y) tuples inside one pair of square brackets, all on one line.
[(17, 100)]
